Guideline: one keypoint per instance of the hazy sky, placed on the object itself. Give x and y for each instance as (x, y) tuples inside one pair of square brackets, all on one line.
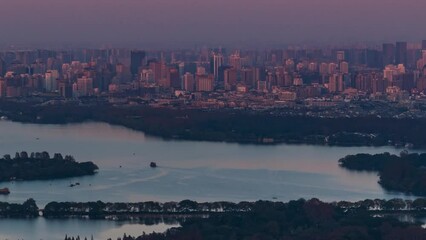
[(211, 22)]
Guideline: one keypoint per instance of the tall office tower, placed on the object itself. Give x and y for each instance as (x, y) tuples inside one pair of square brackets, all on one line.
[(332, 67), (65, 89), (188, 82), (175, 80), (289, 65), (401, 53), (217, 63), (424, 44), (181, 69), (137, 60), (230, 79), (374, 59), (335, 84), (3, 87), (313, 67), (190, 67), (84, 86), (2, 67), (247, 77), (344, 67), (204, 83), (164, 80), (156, 70), (147, 76), (422, 62), (340, 56), (323, 69), (201, 71), (235, 60), (388, 54), (51, 77)]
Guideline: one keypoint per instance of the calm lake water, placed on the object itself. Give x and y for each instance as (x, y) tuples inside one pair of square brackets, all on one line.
[(47, 229), (201, 171)]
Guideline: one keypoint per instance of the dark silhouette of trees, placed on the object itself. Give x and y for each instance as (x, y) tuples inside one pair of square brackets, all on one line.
[(39, 166), (243, 126), (405, 173)]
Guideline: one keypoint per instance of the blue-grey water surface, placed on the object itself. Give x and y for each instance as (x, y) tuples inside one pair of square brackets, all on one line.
[(202, 171)]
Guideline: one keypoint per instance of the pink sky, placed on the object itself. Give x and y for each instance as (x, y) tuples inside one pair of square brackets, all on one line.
[(218, 21)]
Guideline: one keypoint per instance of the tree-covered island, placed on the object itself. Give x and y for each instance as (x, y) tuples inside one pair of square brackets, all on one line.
[(41, 166)]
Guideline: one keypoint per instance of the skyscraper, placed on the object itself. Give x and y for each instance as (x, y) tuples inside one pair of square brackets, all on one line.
[(175, 80), (344, 67), (340, 56), (137, 60), (51, 77), (235, 61), (388, 54), (401, 53), (204, 83), (2, 67), (188, 82), (424, 44), (230, 79), (217, 62)]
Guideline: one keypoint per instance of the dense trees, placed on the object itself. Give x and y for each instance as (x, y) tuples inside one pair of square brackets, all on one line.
[(405, 173), (27, 209), (243, 126), (296, 220), (40, 166)]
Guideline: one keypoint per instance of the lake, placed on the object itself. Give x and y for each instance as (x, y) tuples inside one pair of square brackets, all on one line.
[(201, 171), (56, 229)]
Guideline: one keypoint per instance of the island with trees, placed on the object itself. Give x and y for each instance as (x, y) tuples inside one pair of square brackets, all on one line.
[(28, 209), (405, 173), (41, 166)]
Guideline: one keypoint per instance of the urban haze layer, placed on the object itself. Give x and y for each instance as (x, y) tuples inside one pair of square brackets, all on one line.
[(222, 78)]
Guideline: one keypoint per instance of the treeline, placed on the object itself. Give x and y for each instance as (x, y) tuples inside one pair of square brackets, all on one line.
[(101, 209), (193, 208), (188, 207), (40, 166), (296, 220), (242, 126), (405, 173), (27, 209)]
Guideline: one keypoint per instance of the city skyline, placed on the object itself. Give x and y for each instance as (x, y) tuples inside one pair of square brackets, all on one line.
[(188, 22)]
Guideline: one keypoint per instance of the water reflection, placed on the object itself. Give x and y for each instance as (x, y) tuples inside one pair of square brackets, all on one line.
[(201, 171), (49, 229)]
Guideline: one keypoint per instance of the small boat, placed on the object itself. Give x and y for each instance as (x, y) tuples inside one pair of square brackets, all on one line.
[(4, 191), (153, 164)]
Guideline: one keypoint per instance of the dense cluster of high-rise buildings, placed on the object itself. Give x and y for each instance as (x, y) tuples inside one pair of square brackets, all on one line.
[(396, 70)]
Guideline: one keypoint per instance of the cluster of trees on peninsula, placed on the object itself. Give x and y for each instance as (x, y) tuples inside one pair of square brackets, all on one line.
[(40, 166), (405, 173), (243, 126)]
